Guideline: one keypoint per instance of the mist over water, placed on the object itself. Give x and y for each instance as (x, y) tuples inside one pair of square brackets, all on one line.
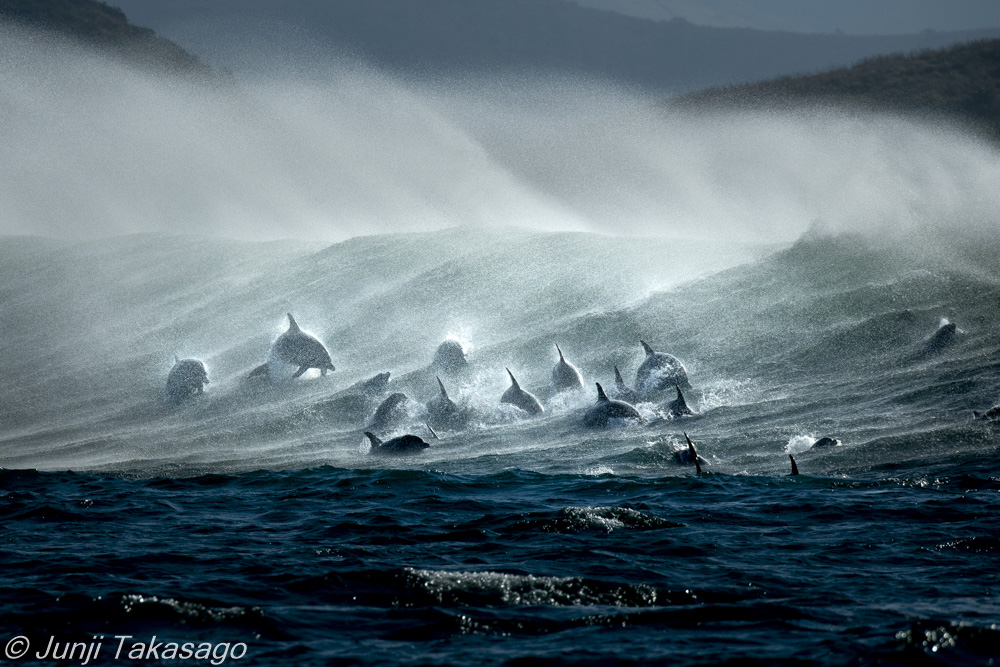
[(94, 147)]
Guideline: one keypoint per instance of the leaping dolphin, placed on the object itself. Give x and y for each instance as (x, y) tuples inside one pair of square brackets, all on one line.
[(297, 348), (186, 378), (520, 398), (659, 371), (565, 375), (607, 409)]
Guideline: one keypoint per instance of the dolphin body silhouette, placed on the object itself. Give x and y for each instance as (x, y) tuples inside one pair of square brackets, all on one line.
[(443, 411), (659, 371), (607, 409), (623, 392), (187, 378), (404, 444), (296, 348), (679, 407), (520, 398), (565, 375)]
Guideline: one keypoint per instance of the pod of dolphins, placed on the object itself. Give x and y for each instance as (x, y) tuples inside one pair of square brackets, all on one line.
[(302, 351)]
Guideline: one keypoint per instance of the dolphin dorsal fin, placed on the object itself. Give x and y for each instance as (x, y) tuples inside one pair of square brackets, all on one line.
[(561, 357), (513, 379), (694, 454), (646, 347), (433, 432), (795, 468), (619, 382), (373, 438), (441, 384), (292, 324), (601, 396)]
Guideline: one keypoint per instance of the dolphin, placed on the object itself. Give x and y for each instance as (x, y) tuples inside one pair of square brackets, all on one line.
[(373, 385), (565, 375), (297, 348), (389, 412), (693, 455), (441, 409), (659, 371), (679, 407), (186, 378), (826, 442), (943, 337), (404, 444), (520, 398), (990, 415), (450, 356), (795, 468), (623, 392), (607, 409)]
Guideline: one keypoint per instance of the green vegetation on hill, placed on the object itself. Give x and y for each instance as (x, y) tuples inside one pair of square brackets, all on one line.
[(106, 28), (961, 82)]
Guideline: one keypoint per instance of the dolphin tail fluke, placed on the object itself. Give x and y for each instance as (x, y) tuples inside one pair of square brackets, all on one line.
[(513, 380), (694, 455), (373, 439), (292, 324), (260, 371), (795, 468), (441, 384), (433, 432), (302, 369)]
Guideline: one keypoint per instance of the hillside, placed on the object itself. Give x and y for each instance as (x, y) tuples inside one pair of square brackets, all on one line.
[(431, 37), (103, 27), (961, 82)]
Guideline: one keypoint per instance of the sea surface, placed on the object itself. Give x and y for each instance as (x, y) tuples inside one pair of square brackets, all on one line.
[(253, 524)]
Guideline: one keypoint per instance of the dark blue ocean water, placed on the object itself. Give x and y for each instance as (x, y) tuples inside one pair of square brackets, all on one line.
[(333, 566)]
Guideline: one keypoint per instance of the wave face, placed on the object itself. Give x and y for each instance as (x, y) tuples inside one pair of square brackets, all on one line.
[(834, 336)]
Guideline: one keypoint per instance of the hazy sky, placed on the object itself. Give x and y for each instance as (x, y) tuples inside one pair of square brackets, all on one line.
[(855, 17)]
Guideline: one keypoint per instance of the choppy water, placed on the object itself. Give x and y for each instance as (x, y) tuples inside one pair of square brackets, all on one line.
[(253, 514)]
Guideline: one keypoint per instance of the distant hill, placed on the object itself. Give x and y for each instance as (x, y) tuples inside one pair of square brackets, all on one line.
[(429, 37), (961, 82), (854, 17), (103, 27)]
